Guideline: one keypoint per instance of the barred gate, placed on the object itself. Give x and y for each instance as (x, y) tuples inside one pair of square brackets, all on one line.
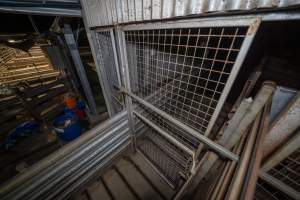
[(177, 76)]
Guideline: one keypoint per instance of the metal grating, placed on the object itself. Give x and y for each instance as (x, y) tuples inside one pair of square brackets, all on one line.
[(109, 67), (266, 192), (183, 71), (288, 170), (183, 137), (168, 159)]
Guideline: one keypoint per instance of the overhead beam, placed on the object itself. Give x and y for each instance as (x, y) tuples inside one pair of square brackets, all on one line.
[(42, 11)]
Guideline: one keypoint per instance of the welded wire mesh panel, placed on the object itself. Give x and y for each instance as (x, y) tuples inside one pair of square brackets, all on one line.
[(264, 191), (183, 71), (172, 129), (288, 170), (168, 159), (109, 69)]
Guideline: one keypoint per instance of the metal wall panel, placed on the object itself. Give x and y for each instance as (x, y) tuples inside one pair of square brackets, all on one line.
[(109, 12), (65, 171)]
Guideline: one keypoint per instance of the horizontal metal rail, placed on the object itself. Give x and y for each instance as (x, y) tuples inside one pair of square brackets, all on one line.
[(165, 134), (220, 149)]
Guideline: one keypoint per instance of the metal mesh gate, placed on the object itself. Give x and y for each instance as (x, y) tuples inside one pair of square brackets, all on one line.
[(108, 69), (183, 71), (186, 72)]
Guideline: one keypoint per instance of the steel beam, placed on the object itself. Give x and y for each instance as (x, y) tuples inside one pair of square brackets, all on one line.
[(69, 36), (126, 80), (64, 12)]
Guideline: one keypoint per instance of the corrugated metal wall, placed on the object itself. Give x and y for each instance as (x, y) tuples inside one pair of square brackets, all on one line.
[(109, 12)]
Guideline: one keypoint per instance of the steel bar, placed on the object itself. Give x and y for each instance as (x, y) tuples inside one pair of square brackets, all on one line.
[(237, 182), (279, 185), (223, 151), (283, 126), (224, 181), (165, 134), (263, 96), (254, 25), (69, 37), (218, 182), (42, 11), (126, 80), (236, 128), (216, 22), (256, 157), (220, 193), (34, 25), (284, 151)]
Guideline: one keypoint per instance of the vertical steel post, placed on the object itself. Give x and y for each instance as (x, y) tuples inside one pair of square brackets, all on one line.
[(126, 79), (91, 35), (69, 37)]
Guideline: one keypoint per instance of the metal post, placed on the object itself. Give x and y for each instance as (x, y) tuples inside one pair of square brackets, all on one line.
[(69, 37), (126, 80), (237, 65)]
